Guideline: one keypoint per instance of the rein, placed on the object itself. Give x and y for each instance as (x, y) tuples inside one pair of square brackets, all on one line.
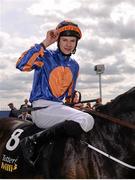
[(110, 118)]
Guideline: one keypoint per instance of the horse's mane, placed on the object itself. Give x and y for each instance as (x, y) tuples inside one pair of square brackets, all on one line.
[(121, 104)]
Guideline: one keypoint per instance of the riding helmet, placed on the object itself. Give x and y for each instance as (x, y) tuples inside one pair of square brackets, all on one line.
[(68, 28)]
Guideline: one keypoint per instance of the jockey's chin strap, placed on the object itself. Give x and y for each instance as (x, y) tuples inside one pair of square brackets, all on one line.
[(108, 156)]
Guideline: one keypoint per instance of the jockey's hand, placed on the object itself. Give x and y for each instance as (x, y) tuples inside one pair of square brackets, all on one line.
[(51, 37)]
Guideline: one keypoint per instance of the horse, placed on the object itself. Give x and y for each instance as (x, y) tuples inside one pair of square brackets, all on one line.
[(67, 157)]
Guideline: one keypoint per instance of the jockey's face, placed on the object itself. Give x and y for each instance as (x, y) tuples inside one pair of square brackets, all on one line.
[(67, 44)]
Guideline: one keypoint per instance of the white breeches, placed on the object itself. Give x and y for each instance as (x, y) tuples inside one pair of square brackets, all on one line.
[(56, 112)]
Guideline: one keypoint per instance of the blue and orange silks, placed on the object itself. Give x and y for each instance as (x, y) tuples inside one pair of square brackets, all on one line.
[(55, 75)]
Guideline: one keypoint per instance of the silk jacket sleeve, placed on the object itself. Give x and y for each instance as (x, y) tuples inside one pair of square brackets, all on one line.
[(31, 59)]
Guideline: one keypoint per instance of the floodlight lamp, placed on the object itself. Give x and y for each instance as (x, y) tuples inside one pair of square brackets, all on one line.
[(99, 68)]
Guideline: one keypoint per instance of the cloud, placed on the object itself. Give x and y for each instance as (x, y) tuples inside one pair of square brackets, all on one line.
[(45, 8), (108, 28)]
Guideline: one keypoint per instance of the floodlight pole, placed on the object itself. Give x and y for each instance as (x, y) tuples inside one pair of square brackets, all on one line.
[(100, 86), (100, 70)]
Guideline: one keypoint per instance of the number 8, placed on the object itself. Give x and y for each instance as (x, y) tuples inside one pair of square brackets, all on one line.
[(15, 138)]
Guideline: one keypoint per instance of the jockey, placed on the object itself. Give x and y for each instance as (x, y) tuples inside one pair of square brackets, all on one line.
[(55, 76)]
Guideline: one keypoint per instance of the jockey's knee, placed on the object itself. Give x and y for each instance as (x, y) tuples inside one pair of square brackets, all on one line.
[(76, 128), (87, 123), (72, 129)]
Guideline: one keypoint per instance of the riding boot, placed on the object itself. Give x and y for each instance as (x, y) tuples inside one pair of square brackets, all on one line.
[(66, 128)]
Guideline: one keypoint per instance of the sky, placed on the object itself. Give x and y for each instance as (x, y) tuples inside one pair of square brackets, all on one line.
[(108, 37)]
